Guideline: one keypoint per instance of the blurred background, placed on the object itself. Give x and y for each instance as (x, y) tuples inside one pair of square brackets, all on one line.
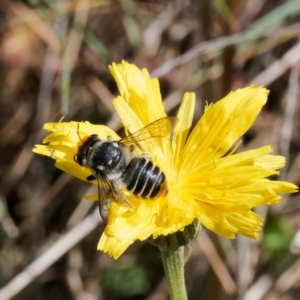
[(54, 62)]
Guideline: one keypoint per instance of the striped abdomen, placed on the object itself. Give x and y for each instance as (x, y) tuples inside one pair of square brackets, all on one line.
[(144, 179)]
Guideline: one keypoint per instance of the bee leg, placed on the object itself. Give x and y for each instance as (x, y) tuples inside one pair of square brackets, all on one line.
[(91, 177), (131, 147), (119, 194), (146, 155)]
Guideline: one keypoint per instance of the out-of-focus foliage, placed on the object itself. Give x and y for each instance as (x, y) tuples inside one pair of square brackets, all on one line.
[(54, 57), (278, 235)]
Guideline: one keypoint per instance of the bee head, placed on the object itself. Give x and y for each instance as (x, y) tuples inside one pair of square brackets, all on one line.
[(84, 149)]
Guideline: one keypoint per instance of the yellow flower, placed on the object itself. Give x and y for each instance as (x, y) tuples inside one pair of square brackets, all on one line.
[(206, 179)]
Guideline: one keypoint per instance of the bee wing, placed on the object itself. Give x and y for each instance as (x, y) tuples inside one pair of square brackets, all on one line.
[(108, 191), (105, 195), (147, 135)]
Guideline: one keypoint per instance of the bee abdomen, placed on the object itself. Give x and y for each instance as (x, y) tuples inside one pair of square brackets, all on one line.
[(144, 179)]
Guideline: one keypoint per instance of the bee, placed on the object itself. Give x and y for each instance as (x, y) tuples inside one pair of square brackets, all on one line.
[(118, 164)]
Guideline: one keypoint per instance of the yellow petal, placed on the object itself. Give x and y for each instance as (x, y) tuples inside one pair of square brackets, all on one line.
[(247, 223), (160, 217), (222, 124), (128, 75), (140, 92), (230, 223), (181, 131), (130, 119), (123, 230), (62, 144)]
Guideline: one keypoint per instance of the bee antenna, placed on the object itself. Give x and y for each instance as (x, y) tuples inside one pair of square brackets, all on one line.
[(78, 132)]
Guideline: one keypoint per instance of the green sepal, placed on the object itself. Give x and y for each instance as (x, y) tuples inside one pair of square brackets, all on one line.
[(179, 238)]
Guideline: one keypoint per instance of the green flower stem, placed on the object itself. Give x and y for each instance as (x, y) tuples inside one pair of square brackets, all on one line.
[(171, 248), (173, 262)]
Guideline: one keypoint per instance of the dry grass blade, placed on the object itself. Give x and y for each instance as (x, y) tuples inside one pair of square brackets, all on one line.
[(213, 45), (259, 289), (62, 246), (217, 264)]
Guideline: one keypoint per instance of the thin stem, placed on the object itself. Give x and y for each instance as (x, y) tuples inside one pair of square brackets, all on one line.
[(173, 262)]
